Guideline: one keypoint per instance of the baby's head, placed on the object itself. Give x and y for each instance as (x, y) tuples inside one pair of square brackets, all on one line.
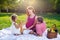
[(30, 10), (14, 17), (40, 19)]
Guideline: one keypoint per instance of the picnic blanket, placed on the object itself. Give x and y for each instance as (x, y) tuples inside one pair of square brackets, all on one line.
[(6, 34)]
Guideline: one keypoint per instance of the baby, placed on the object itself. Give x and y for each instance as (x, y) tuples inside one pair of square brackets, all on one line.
[(16, 28)]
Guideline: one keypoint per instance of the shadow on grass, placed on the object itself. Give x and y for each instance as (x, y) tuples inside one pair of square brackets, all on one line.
[(5, 14), (50, 16), (9, 14)]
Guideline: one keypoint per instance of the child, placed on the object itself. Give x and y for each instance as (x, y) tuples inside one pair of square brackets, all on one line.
[(40, 26), (52, 32), (15, 28), (31, 19)]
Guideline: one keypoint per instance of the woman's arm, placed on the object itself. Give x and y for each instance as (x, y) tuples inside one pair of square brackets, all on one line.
[(26, 19)]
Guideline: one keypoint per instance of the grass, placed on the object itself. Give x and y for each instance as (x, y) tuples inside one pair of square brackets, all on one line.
[(48, 17), (5, 20)]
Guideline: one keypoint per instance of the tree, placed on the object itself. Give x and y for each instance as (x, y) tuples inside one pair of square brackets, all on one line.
[(58, 6), (7, 4)]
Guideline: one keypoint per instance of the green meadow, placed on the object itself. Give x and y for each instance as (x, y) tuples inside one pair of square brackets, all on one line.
[(49, 18)]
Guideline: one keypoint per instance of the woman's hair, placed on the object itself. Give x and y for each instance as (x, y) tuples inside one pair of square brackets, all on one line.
[(40, 19), (31, 8), (13, 17)]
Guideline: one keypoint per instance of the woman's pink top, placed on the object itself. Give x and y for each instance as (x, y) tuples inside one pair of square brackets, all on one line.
[(30, 22), (40, 28)]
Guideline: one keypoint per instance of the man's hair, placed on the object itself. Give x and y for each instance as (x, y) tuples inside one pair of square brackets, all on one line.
[(40, 19)]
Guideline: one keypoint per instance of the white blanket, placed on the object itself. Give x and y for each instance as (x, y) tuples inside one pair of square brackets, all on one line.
[(5, 34)]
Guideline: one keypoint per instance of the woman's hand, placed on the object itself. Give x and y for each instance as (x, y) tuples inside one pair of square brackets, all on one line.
[(29, 28)]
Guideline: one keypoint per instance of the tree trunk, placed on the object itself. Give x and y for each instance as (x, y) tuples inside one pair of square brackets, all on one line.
[(7, 10)]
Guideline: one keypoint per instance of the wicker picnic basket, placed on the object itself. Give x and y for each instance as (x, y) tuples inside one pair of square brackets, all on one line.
[(51, 35), (52, 32)]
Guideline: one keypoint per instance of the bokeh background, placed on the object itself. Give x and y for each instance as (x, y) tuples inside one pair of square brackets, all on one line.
[(49, 9)]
